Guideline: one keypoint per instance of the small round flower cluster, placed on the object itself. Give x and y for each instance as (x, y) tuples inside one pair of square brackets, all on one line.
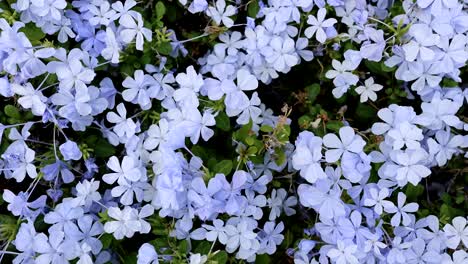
[(150, 171)]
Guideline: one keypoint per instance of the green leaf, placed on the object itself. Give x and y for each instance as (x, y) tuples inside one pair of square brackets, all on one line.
[(280, 156), (413, 192), (304, 121), (385, 68), (223, 122), (203, 248), (266, 128), (33, 33), (130, 258), (183, 247), (224, 167), (243, 132), (106, 240), (253, 9), (160, 10), (220, 257), (365, 112), (164, 48), (249, 140), (334, 125), (12, 111), (376, 67), (252, 150), (103, 149), (313, 91), (262, 259)]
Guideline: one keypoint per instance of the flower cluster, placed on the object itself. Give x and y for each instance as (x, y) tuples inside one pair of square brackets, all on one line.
[(106, 138)]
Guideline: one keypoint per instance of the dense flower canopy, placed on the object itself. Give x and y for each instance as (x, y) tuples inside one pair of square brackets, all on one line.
[(124, 141)]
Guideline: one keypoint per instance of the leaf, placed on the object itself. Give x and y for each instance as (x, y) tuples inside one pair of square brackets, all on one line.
[(223, 122), (280, 156), (164, 48), (12, 111), (262, 259), (220, 257), (413, 192), (160, 9), (103, 149), (243, 132), (203, 248), (33, 33), (130, 258), (313, 91), (183, 247), (365, 112), (266, 128), (304, 121), (106, 240), (334, 125), (252, 150), (224, 167), (249, 140), (253, 9)]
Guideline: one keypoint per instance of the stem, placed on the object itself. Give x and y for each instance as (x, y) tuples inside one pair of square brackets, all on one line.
[(9, 252), (193, 155), (194, 38), (383, 23), (55, 146), (43, 81), (4, 250), (212, 246), (48, 87)]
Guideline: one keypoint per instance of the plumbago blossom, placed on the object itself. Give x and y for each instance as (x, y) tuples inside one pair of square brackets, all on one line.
[(115, 134)]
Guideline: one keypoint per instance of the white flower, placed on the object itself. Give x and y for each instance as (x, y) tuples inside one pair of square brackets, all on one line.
[(307, 157), (408, 167), (376, 199), (126, 222), (128, 171), (157, 135), (401, 211), (445, 146), (222, 13), (123, 126), (281, 53), (86, 193), (30, 98), (134, 29), (456, 232), (405, 134), (350, 142), (368, 90), (343, 253), (318, 24), (198, 258), (112, 50), (101, 15)]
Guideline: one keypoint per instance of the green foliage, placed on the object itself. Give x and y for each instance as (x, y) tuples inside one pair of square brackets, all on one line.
[(224, 167), (33, 33), (223, 122)]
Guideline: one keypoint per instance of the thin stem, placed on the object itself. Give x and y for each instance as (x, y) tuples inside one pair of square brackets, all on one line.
[(55, 144), (42, 89), (383, 23), (9, 252), (193, 155), (101, 204), (38, 142), (4, 250), (212, 246), (194, 38), (43, 81)]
